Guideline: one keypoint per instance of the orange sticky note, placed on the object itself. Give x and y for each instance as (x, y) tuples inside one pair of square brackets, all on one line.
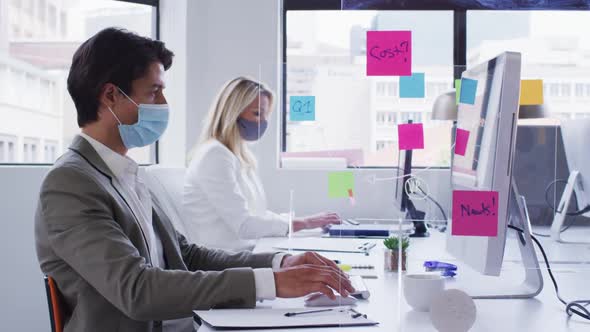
[(531, 92), (351, 197)]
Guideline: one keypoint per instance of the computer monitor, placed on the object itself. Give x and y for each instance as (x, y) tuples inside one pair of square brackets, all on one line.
[(487, 162), (539, 160), (575, 134)]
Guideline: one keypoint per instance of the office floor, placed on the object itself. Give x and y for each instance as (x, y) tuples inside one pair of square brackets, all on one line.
[(542, 313)]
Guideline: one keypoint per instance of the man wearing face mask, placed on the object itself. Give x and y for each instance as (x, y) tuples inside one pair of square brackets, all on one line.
[(113, 253), (222, 192)]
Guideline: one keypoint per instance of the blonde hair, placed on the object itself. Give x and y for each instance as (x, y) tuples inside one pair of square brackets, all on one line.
[(221, 121)]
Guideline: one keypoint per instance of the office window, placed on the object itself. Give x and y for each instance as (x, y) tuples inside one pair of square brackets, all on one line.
[(27, 153), (3, 83), (382, 145), (393, 89), (391, 119), (41, 11), (565, 90), (11, 152), (579, 90), (33, 91), (30, 150), (52, 17), (34, 153), (381, 118), (430, 89), (28, 7), (417, 117), (381, 89), (355, 111), (63, 23), (50, 151), (553, 46)]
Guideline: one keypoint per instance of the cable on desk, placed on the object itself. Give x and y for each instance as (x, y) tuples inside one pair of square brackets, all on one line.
[(563, 229), (575, 213), (442, 211), (577, 307)]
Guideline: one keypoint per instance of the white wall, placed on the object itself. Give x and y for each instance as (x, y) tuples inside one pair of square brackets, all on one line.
[(173, 31), (227, 38), (23, 305)]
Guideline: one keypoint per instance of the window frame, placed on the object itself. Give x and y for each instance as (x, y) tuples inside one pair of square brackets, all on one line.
[(459, 39), (155, 148)]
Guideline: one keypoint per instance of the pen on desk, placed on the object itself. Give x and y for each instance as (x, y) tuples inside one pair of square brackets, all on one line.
[(348, 267), (369, 247), (291, 314), (357, 314)]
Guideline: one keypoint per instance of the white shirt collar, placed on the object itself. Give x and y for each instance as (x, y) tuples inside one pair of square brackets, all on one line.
[(122, 167)]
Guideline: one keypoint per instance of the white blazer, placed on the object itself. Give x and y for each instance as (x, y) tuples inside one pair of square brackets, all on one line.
[(224, 205)]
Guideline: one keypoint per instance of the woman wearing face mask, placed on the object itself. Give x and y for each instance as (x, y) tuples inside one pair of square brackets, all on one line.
[(224, 202)]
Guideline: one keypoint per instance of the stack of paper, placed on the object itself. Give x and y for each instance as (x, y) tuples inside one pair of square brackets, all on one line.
[(276, 318)]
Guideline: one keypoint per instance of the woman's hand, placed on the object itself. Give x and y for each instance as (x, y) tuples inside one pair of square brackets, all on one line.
[(323, 220)]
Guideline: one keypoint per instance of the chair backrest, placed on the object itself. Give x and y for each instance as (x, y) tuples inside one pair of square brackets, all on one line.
[(166, 185), (54, 304)]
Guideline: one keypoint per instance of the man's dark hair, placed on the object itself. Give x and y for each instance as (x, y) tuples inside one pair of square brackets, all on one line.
[(114, 56)]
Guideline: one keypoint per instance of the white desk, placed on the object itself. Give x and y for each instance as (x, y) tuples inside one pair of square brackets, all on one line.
[(387, 304)]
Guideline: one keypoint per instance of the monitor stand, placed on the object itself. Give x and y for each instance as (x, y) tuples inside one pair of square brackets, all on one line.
[(561, 210), (413, 214), (533, 283)]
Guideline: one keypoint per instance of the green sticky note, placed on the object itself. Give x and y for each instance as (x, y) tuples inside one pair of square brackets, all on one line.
[(340, 184), (457, 90)]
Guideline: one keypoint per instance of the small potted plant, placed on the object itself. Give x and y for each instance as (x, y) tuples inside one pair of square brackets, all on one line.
[(392, 254)]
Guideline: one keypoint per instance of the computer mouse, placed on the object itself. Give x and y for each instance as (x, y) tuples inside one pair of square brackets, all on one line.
[(321, 300)]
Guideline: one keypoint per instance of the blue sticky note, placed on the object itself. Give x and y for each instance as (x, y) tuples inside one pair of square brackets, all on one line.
[(468, 90), (411, 86), (302, 108)]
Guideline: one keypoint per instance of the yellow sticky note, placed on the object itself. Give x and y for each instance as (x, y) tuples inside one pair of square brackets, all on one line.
[(531, 92)]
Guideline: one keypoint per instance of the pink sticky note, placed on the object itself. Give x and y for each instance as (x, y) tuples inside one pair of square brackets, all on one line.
[(475, 213), (461, 139), (410, 136), (389, 53)]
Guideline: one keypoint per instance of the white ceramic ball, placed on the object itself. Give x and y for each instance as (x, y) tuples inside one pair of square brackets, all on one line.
[(453, 311)]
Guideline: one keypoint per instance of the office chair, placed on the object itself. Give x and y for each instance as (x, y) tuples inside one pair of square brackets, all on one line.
[(54, 303)]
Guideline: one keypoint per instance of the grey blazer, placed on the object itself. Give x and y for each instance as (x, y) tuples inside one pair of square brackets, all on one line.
[(89, 241)]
